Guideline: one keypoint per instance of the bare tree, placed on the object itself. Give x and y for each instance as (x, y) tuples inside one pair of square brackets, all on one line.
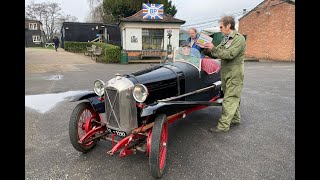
[(49, 13), (93, 3), (96, 11), (61, 19), (35, 11), (68, 18)]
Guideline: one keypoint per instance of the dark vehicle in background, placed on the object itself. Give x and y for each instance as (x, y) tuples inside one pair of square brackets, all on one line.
[(134, 110)]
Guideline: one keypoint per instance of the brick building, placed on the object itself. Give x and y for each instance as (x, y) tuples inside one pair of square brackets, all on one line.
[(269, 29)]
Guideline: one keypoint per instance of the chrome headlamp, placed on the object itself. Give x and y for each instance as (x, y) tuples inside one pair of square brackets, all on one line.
[(140, 92), (98, 87)]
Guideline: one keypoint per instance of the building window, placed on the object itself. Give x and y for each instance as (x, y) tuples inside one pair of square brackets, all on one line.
[(36, 39), (33, 26), (152, 39)]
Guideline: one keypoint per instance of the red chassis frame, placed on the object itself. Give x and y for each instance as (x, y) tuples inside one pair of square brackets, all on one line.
[(137, 135)]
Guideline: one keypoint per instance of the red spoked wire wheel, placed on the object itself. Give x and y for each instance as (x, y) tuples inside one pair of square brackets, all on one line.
[(81, 122), (158, 146)]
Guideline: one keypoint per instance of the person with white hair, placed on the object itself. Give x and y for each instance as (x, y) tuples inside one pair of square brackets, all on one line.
[(192, 40)]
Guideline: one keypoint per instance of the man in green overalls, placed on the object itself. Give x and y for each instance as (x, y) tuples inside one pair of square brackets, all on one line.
[(231, 51)]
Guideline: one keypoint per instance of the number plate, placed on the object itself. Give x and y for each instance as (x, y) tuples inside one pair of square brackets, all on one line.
[(118, 133)]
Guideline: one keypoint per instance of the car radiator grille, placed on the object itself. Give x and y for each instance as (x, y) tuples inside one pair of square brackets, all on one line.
[(112, 107)]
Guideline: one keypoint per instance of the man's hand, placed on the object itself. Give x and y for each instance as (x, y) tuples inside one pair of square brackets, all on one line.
[(208, 45)]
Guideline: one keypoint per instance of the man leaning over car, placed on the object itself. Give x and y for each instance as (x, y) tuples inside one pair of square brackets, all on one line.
[(231, 51)]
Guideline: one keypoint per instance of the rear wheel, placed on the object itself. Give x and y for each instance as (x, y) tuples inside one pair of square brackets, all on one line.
[(158, 148), (81, 122)]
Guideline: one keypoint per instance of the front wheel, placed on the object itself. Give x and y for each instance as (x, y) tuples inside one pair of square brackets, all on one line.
[(158, 148), (81, 122)]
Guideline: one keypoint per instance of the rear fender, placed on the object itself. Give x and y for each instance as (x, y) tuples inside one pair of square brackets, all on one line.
[(93, 98)]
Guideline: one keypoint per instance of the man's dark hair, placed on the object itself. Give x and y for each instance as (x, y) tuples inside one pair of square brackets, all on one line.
[(228, 20)]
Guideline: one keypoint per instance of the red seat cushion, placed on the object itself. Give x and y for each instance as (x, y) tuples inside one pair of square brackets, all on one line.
[(210, 66)]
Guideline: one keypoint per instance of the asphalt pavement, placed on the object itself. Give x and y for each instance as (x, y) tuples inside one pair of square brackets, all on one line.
[(262, 147)]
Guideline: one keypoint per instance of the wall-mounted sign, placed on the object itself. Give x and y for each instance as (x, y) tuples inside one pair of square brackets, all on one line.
[(134, 39), (152, 11)]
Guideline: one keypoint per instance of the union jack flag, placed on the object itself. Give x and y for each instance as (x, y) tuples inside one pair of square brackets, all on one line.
[(152, 11)]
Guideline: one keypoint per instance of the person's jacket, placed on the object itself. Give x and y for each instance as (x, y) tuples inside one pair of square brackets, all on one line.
[(232, 50), (55, 40), (196, 46)]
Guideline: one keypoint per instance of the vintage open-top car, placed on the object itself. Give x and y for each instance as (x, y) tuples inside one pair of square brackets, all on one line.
[(134, 110)]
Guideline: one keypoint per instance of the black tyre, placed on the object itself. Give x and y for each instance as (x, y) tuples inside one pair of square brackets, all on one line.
[(80, 123), (158, 148)]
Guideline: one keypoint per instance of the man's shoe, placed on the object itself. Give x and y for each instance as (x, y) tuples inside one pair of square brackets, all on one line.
[(234, 124), (216, 130)]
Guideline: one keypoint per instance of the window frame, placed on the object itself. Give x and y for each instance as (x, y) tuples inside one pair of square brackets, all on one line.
[(36, 38), (152, 39), (33, 26)]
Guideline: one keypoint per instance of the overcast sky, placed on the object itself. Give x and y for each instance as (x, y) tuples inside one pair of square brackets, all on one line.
[(192, 11)]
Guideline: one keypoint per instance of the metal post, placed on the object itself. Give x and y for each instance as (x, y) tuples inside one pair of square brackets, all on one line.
[(169, 47)]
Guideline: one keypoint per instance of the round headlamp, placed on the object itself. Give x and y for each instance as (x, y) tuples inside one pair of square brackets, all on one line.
[(140, 92), (98, 87)]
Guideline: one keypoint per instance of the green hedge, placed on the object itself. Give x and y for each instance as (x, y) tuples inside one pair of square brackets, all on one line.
[(110, 53), (76, 47)]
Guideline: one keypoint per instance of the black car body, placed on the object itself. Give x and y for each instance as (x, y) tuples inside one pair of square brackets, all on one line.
[(131, 106)]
